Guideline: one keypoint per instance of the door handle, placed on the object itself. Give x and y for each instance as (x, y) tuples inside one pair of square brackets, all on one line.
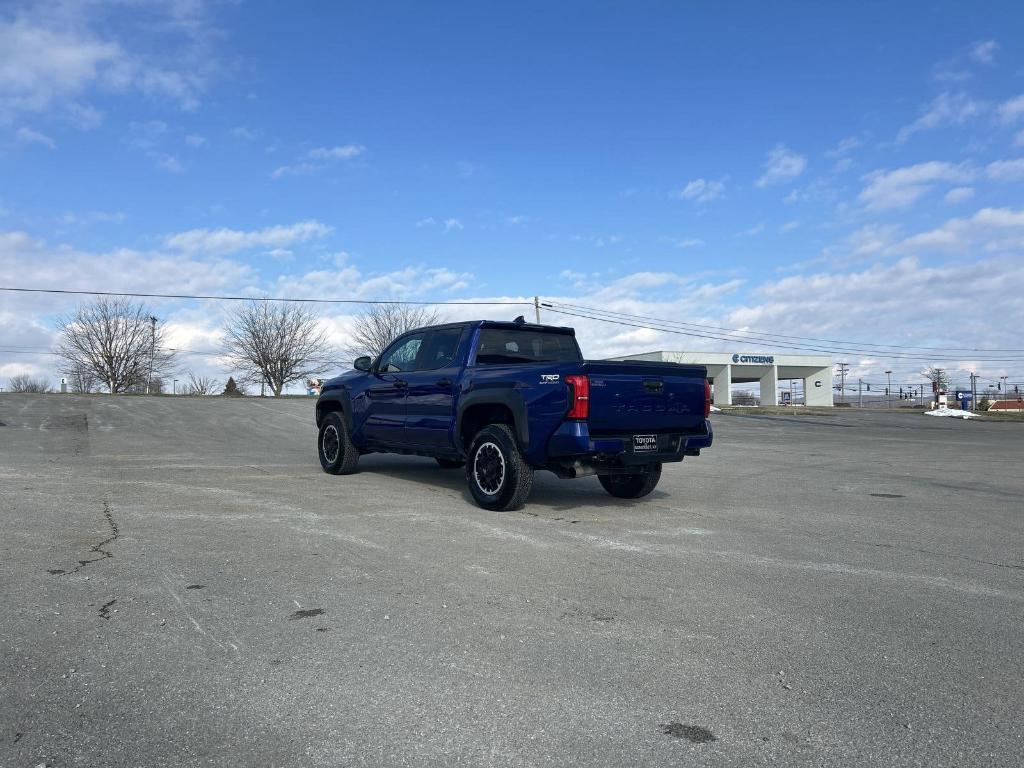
[(399, 384), (444, 382)]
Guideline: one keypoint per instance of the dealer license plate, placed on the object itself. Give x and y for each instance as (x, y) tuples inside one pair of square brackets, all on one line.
[(642, 443)]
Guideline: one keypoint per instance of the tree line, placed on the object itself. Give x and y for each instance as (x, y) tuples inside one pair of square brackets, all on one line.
[(116, 345)]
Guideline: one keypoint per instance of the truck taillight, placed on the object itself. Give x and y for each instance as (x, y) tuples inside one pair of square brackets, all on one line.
[(707, 398), (579, 397)]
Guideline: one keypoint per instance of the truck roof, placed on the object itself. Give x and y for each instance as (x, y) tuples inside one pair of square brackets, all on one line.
[(504, 324)]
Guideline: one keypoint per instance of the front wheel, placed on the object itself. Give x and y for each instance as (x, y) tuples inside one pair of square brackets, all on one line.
[(634, 485), (338, 455), (498, 477)]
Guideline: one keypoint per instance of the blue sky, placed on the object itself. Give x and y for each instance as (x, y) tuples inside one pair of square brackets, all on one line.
[(839, 171)]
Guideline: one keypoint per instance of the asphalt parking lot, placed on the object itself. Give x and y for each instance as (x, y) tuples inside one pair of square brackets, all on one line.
[(182, 585)]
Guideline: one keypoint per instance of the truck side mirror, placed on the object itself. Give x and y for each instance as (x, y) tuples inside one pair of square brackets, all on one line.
[(362, 363)]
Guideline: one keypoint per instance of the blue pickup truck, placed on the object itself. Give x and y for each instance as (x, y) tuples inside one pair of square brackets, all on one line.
[(506, 398)]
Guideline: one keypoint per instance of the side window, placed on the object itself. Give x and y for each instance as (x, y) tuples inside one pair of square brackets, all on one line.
[(402, 356), (440, 349)]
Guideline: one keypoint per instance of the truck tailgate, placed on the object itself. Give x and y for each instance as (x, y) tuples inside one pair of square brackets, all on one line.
[(634, 397)]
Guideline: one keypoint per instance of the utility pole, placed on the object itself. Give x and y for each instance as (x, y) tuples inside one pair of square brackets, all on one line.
[(860, 395), (937, 384), (536, 307), (843, 369), (974, 391), (1005, 390), (888, 389), (152, 352)]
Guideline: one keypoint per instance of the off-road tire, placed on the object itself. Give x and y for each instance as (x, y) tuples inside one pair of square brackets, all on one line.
[(338, 455), (450, 463), (632, 486), (499, 479)]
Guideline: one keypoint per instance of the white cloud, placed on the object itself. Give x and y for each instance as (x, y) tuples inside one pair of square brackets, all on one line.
[(447, 225), (344, 152), (789, 226), (959, 195), (906, 302), (984, 51), (1018, 140), (93, 217), (946, 109), (55, 55), (194, 140), (994, 230), (351, 282), (915, 298), (901, 187), (40, 66), (783, 164), (244, 133), (224, 241), (685, 242), (299, 169), (166, 162), (25, 135), (702, 190), (26, 319), (1011, 110), (845, 146), (320, 157), (1006, 170)]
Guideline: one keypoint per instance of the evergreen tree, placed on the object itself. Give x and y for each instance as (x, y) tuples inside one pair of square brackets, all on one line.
[(231, 389)]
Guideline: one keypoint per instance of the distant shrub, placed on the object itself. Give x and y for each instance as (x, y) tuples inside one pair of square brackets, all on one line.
[(28, 384)]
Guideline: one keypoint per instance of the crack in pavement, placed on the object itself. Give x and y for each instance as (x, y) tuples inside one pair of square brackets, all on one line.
[(99, 548), (939, 554), (105, 610)]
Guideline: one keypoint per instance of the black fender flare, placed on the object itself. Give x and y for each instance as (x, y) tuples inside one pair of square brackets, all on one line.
[(341, 398), (509, 398)]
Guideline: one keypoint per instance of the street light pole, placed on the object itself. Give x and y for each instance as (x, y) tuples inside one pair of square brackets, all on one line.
[(888, 389)]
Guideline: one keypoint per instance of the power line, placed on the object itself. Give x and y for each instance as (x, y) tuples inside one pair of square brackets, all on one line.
[(262, 298), (750, 335), (665, 327)]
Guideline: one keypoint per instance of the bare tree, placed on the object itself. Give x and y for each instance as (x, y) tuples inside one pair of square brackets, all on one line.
[(116, 341), (80, 380), (275, 343), (200, 385), (25, 383), (937, 376), (380, 324)]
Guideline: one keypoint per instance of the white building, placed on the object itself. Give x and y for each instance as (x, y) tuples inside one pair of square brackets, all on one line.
[(728, 368)]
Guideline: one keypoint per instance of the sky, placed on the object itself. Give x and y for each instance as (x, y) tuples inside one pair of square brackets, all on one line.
[(849, 172)]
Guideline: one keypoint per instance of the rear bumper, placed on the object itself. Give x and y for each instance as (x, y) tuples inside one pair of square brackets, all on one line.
[(572, 441)]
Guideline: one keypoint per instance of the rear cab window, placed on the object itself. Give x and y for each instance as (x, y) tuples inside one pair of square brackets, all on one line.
[(504, 346)]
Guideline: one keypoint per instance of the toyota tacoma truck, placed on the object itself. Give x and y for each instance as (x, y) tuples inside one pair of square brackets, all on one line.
[(504, 399)]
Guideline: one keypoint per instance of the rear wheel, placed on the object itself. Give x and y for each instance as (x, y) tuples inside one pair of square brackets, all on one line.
[(498, 477), (449, 463), (338, 455), (634, 485)]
